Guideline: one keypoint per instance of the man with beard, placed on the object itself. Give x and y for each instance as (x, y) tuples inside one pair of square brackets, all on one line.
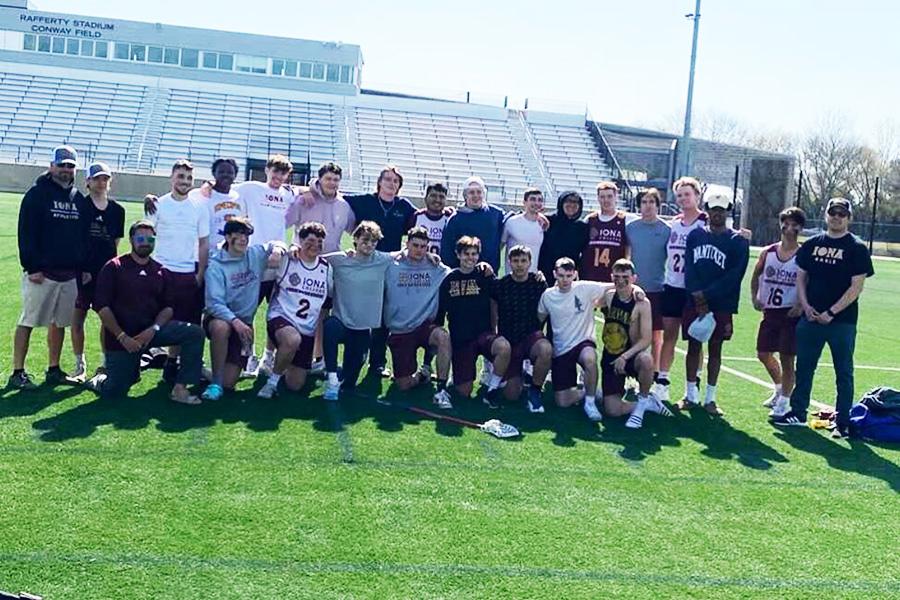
[(434, 216), (136, 314), (52, 237)]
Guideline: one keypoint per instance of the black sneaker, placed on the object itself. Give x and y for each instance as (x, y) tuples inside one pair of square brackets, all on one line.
[(789, 419), (21, 381), (170, 371), (492, 399), (56, 376)]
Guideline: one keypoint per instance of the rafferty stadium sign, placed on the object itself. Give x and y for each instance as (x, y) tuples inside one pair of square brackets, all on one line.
[(68, 26)]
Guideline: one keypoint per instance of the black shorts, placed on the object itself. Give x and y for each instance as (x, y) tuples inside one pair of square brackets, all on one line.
[(612, 383), (673, 302)]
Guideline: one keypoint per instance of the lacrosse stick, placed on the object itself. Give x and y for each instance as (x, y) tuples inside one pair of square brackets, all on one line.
[(494, 427)]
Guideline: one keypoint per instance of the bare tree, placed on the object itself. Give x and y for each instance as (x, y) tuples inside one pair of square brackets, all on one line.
[(827, 157)]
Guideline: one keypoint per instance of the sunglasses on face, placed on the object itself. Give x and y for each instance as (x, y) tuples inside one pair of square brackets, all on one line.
[(145, 239), (836, 212)]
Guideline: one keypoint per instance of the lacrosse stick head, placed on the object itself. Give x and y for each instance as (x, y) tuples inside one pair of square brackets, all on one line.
[(499, 429)]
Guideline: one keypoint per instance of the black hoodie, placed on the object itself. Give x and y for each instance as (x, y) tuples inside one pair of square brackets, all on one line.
[(566, 236), (53, 230)]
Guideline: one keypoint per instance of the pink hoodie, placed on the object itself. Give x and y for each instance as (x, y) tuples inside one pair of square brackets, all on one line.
[(334, 213)]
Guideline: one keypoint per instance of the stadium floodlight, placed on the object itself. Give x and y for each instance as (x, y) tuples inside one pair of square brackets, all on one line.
[(685, 154)]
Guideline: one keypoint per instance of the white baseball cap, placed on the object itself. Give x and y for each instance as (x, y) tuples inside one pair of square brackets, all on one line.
[(718, 196)]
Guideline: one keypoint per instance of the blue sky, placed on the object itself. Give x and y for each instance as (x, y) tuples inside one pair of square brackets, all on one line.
[(776, 65)]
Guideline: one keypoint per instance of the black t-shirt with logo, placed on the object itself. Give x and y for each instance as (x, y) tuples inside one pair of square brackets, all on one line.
[(465, 299), (105, 227), (830, 264)]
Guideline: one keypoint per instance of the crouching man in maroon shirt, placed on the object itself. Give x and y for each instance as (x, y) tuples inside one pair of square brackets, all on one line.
[(136, 313)]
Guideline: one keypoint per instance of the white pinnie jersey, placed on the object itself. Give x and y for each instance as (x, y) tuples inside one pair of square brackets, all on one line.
[(300, 292), (778, 280), (675, 248), (435, 229)]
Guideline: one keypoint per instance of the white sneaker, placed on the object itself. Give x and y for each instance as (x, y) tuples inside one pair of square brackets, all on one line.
[(318, 367), (771, 400), (331, 392), (781, 407), (442, 400), (268, 364), (252, 368), (636, 418), (80, 372), (527, 367), (591, 410), (268, 391), (655, 405), (661, 391)]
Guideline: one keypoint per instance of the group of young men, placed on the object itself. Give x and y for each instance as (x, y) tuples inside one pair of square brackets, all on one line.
[(204, 260)]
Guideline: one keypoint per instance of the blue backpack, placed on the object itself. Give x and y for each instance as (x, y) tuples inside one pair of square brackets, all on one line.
[(877, 416)]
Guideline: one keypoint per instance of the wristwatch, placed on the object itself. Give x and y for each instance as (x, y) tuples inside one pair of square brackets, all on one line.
[(830, 314), (155, 327)]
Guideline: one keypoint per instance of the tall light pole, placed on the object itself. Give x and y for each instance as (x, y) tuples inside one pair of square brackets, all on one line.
[(685, 153)]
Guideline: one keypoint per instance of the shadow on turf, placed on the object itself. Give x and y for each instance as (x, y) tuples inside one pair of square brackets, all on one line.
[(568, 426), (23, 403), (854, 456)]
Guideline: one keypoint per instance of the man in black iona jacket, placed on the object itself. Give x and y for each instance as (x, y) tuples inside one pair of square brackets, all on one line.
[(52, 247)]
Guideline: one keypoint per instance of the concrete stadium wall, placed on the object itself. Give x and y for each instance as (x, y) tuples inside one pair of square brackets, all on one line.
[(126, 186)]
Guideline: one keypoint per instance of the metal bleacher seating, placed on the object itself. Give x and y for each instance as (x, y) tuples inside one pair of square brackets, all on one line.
[(38, 113), (438, 147), (572, 159)]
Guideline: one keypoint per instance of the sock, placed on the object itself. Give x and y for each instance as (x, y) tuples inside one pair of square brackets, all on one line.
[(495, 381), (103, 360), (441, 384), (268, 354), (692, 391), (710, 393), (539, 388), (663, 378), (332, 378), (655, 376), (17, 371), (274, 378), (786, 399), (778, 389), (79, 359), (54, 368), (641, 405)]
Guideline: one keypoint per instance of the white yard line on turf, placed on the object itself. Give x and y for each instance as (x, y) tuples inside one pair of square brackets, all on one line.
[(821, 364), (745, 376)]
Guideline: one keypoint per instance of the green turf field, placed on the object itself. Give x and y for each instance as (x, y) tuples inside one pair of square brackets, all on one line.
[(292, 499)]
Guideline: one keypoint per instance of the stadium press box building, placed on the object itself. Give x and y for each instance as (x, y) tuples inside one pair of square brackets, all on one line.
[(141, 95)]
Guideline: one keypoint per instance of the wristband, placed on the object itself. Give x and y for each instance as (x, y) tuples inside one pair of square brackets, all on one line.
[(119, 337), (830, 313)]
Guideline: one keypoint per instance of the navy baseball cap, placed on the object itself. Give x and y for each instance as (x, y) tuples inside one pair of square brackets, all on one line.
[(98, 168), (65, 155)]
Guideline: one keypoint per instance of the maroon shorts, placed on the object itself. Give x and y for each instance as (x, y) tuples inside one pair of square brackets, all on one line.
[(85, 298), (612, 383), (724, 325), (565, 367), (303, 355), (265, 291), (656, 316), (234, 355), (521, 352), (404, 346), (777, 332), (466, 355), (185, 295)]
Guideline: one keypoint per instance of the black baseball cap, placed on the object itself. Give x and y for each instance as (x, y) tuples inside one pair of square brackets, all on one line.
[(839, 203), (98, 168)]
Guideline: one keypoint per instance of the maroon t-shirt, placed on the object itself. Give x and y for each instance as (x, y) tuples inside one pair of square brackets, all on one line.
[(607, 243), (134, 293)]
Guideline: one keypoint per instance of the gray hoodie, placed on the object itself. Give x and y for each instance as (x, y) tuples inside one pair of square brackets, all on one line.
[(411, 293), (232, 282)]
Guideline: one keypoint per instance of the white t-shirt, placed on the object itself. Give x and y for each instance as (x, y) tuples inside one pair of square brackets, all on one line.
[(676, 247), (519, 230), (266, 207), (571, 313), (179, 226), (220, 208)]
